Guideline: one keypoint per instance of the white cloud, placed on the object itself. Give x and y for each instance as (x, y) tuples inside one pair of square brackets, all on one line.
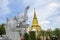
[(4, 10), (45, 22), (4, 7), (55, 21), (53, 6)]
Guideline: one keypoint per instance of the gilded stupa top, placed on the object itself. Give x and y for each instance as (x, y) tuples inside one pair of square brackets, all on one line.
[(35, 21), (35, 26)]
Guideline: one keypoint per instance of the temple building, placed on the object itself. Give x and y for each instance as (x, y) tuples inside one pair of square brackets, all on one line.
[(35, 26)]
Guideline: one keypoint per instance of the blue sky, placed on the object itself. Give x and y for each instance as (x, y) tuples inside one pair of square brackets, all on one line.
[(48, 11)]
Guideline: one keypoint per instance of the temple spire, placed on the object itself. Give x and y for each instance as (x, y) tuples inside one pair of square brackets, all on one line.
[(35, 26), (35, 21), (35, 13)]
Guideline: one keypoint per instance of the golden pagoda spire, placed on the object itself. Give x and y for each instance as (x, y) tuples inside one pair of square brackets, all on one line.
[(35, 13), (35, 26), (35, 21)]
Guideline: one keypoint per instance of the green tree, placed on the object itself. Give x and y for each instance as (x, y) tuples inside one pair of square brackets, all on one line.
[(2, 29), (43, 33), (46, 33), (57, 33), (26, 36), (50, 34), (32, 35)]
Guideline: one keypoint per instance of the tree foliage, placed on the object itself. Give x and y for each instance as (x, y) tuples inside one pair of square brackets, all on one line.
[(32, 35), (26, 36), (2, 29), (57, 33)]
